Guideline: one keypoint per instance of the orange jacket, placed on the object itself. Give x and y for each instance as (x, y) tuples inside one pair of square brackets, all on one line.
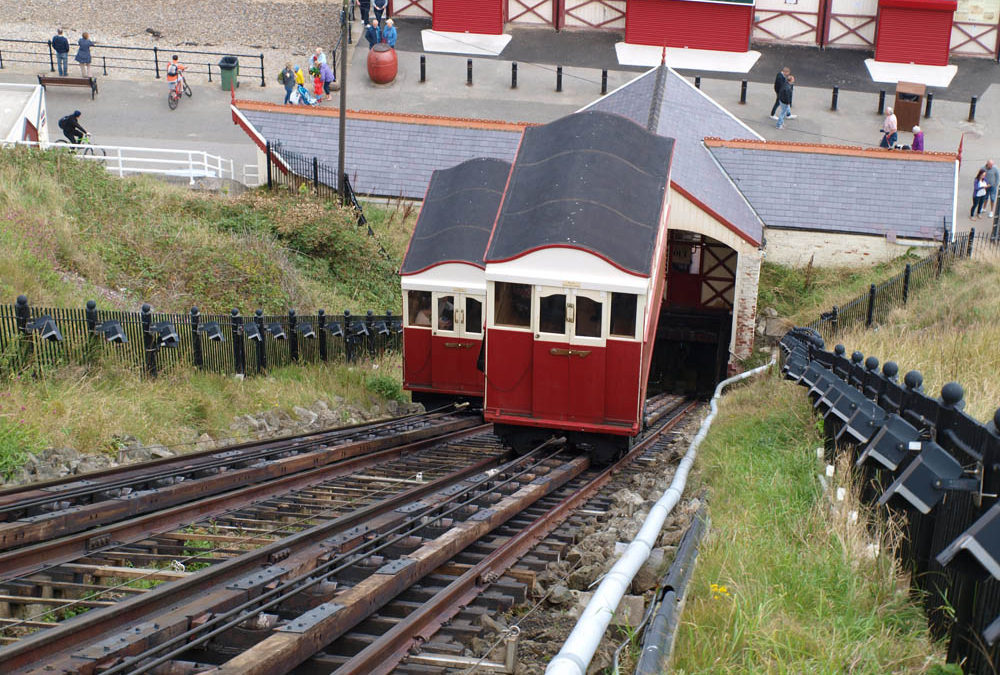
[(179, 69)]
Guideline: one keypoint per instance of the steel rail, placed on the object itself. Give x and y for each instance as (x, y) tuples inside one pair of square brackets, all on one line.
[(74, 519), (36, 558), (90, 626), (23, 497), (312, 577), (386, 652)]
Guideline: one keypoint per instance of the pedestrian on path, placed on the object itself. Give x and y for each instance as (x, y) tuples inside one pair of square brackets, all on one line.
[(60, 45), (288, 79), (779, 82), (373, 34), (918, 140), (992, 179), (327, 75), (890, 130), (320, 56), (380, 7), (365, 7), (785, 100), (979, 189), (389, 33), (83, 55)]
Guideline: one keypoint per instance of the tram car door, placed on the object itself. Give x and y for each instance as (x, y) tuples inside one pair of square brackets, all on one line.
[(456, 340)]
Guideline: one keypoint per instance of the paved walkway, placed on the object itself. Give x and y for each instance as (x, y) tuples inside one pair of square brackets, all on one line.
[(135, 113)]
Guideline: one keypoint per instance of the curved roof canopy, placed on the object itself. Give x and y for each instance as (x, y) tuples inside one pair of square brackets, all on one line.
[(458, 215), (591, 180)]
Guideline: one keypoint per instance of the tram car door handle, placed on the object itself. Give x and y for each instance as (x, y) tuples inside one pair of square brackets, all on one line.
[(571, 313), (457, 345), (582, 353)]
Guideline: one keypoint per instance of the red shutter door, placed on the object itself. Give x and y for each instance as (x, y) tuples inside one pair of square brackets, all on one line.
[(696, 25), (913, 32), (469, 16)]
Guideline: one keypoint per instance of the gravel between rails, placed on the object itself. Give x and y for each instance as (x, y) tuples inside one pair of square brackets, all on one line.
[(282, 31)]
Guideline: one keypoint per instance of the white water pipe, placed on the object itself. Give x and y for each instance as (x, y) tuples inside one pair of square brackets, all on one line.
[(582, 643)]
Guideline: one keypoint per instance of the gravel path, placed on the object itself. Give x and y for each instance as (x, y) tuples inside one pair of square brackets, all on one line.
[(283, 31)]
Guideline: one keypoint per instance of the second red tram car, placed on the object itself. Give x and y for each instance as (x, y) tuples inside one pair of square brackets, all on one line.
[(574, 280), (443, 282)]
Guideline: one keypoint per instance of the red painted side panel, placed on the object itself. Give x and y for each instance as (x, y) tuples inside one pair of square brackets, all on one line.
[(587, 393), (550, 382), (508, 377), (622, 380), (695, 25), (453, 365), (919, 36), (469, 16), (417, 358)]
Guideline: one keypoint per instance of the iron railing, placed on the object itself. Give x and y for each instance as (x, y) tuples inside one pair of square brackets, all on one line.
[(109, 58), (38, 339), (873, 307)]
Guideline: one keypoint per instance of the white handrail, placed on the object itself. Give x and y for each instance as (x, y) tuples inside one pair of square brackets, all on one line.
[(123, 159)]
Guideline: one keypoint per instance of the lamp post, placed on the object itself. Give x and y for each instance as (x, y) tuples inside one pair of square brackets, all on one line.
[(343, 103)]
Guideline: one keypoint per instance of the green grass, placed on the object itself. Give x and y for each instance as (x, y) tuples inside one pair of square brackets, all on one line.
[(73, 232), (783, 583)]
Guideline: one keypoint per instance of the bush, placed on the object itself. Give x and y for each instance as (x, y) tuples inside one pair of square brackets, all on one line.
[(385, 386)]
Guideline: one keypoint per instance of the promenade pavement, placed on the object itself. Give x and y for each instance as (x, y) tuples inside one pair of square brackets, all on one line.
[(131, 112)]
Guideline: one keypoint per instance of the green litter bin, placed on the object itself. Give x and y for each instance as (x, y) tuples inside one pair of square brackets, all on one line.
[(229, 67)]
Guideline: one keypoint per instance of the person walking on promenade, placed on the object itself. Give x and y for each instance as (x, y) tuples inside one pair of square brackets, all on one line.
[(785, 100), (779, 82), (365, 7), (389, 33), (83, 55), (288, 79), (890, 130), (380, 7), (320, 56), (979, 189), (918, 140), (992, 179), (373, 34), (327, 76), (60, 45)]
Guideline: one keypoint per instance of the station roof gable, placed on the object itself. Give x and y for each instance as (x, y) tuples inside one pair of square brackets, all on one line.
[(559, 192), (457, 215)]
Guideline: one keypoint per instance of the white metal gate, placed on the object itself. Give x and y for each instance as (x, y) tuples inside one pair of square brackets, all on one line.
[(604, 14)]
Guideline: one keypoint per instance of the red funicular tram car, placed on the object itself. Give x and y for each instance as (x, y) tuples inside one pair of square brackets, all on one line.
[(574, 277), (443, 285)]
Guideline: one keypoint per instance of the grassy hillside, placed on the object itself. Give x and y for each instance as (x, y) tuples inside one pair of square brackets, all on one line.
[(803, 587), (74, 232)]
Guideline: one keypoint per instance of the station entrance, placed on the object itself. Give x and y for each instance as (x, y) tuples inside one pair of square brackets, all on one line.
[(693, 335)]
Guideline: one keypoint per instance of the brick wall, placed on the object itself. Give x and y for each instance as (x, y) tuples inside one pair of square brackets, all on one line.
[(745, 310)]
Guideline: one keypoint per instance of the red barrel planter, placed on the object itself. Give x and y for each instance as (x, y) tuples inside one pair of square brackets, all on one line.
[(382, 63)]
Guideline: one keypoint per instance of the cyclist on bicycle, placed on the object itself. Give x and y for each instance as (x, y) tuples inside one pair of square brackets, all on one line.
[(70, 125), (175, 73)]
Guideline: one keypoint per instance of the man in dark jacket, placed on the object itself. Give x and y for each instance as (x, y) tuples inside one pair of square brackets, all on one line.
[(779, 82), (785, 100), (60, 45), (372, 33), (365, 7), (70, 125)]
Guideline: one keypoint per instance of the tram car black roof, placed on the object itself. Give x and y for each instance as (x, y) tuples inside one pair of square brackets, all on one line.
[(457, 215), (590, 180)]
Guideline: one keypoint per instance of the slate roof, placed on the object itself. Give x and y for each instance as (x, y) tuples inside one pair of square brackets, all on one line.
[(689, 116), (457, 215), (559, 191), (843, 189), (387, 155)]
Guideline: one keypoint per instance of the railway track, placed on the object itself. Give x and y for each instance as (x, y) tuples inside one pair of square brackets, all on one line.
[(322, 573)]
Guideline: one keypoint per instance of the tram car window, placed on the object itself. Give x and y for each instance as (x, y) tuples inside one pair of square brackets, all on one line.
[(473, 316), (512, 305), (446, 313), (623, 313), (552, 314), (418, 305), (588, 317)]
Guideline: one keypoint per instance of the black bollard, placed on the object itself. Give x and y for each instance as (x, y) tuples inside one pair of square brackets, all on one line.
[(697, 82), (972, 109), (833, 101), (930, 101), (881, 101), (743, 92), (513, 75), (604, 81), (468, 72), (558, 78), (423, 68)]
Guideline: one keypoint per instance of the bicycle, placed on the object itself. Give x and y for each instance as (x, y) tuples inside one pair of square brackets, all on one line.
[(174, 95), (85, 147)]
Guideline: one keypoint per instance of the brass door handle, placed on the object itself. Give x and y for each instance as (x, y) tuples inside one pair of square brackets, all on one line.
[(582, 353), (457, 345)]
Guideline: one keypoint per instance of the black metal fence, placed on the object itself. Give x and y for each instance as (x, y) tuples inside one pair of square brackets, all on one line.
[(928, 465), (873, 307), (37, 339), (152, 60)]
